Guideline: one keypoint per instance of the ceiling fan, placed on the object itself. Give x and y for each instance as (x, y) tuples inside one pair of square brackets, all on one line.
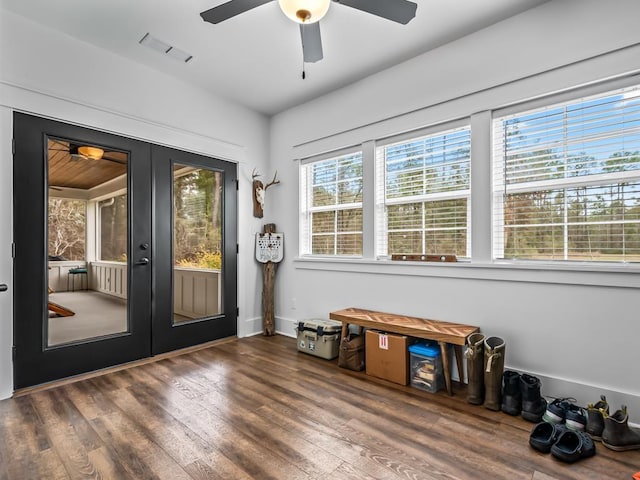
[(309, 12), (87, 152)]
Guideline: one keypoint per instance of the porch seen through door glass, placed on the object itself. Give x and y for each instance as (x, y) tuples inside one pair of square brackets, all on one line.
[(87, 243), (197, 243)]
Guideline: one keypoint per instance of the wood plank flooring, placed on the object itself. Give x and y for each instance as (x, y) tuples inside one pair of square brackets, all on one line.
[(255, 408)]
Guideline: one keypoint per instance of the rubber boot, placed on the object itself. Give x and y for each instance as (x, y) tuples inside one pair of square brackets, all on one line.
[(494, 348), (533, 405), (475, 368), (595, 419), (616, 434), (511, 395)]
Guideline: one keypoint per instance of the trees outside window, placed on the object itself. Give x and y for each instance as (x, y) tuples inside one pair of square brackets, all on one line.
[(197, 200), (332, 206), (66, 229), (424, 188), (567, 183)]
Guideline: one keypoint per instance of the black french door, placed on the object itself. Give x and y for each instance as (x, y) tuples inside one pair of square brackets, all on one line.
[(107, 269), (195, 262)]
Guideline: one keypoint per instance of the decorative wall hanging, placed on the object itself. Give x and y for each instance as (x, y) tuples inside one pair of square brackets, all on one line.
[(259, 190), (269, 252)]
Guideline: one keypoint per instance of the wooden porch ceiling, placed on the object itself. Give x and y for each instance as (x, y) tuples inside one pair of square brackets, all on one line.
[(67, 170)]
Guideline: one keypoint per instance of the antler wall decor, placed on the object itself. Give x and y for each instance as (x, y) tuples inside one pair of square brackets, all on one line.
[(259, 189)]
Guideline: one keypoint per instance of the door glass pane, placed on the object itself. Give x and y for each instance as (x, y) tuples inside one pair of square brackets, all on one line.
[(113, 229), (197, 243), (86, 242)]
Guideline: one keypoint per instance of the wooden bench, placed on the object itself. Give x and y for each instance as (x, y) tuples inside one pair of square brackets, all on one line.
[(442, 332)]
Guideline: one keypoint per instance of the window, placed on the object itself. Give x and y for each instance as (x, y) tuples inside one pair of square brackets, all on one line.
[(331, 206), (567, 181), (66, 229), (113, 229), (423, 195), (197, 217)]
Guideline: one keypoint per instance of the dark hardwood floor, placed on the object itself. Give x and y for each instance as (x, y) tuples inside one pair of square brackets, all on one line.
[(254, 408)]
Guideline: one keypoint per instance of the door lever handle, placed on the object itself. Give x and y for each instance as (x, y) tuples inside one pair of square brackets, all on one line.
[(3, 287), (143, 261)]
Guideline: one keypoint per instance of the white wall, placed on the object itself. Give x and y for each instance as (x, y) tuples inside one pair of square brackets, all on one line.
[(53, 75), (6, 262), (577, 330)]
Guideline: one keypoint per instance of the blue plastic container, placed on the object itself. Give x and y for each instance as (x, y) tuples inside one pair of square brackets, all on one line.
[(426, 367)]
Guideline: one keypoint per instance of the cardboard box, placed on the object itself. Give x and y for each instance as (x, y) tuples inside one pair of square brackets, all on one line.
[(386, 356)]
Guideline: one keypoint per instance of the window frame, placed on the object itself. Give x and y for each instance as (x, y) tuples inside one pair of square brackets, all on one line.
[(85, 203), (381, 235), (500, 189), (566, 84), (98, 225), (306, 209)]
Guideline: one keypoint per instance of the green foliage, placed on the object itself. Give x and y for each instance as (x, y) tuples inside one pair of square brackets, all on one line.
[(202, 259), (197, 219)]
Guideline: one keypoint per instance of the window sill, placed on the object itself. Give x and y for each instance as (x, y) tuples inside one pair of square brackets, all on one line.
[(623, 276)]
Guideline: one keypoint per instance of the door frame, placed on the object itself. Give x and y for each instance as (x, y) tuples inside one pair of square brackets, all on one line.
[(34, 363), (6, 254)]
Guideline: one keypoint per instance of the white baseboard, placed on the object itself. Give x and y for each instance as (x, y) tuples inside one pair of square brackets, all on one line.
[(253, 326), (250, 327), (286, 326)]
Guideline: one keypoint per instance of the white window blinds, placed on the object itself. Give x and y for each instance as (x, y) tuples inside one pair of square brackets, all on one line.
[(331, 206), (567, 181), (423, 195)]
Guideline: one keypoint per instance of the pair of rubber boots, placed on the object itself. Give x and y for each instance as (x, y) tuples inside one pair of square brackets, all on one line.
[(485, 364), (490, 385)]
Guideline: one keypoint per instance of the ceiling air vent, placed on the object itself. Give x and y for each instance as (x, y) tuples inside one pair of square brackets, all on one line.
[(165, 48)]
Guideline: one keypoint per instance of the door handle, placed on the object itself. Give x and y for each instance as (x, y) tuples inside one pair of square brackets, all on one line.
[(143, 261), (3, 287)]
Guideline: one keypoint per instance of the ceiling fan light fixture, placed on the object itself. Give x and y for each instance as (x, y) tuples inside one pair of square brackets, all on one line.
[(94, 153), (305, 11)]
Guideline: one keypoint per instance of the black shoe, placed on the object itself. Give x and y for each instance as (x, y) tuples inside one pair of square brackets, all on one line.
[(511, 395), (533, 404), (575, 418), (572, 446), (544, 435), (557, 410)]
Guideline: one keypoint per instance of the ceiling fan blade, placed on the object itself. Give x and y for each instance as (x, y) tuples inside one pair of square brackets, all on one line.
[(311, 42), (230, 9), (400, 11), (61, 144), (116, 157)]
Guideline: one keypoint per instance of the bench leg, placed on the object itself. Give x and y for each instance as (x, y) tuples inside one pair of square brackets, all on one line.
[(446, 366), (458, 350)]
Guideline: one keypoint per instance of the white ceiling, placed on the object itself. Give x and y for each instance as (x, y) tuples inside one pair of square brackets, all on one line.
[(255, 58)]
